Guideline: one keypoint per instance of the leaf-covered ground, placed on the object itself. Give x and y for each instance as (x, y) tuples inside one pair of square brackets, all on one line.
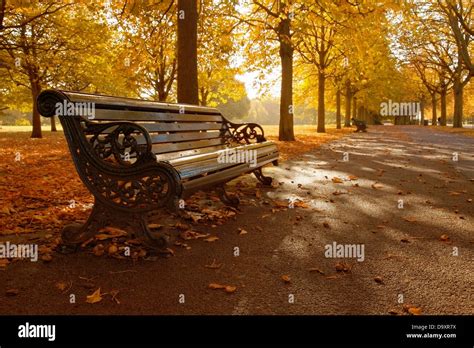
[(268, 256)]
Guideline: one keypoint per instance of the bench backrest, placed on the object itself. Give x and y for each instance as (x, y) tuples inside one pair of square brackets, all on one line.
[(176, 130)]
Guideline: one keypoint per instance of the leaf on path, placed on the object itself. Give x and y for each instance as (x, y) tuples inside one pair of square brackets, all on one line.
[(414, 310), (227, 288), (352, 177), (12, 292), (187, 235), (444, 238), (378, 280), (242, 231), (377, 186), (95, 297), (230, 289), (301, 204), (211, 239), (409, 219), (4, 263), (316, 270), (337, 180), (216, 286), (286, 278)]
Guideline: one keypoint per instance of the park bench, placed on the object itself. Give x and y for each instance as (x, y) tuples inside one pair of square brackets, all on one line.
[(361, 125), (137, 156)]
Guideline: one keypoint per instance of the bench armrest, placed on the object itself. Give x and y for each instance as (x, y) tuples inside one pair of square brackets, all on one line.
[(120, 141), (245, 133)]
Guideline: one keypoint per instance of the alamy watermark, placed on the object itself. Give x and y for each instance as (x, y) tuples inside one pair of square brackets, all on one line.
[(238, 156), (67, 108), (392, 108), (351, 251), (19, 251)]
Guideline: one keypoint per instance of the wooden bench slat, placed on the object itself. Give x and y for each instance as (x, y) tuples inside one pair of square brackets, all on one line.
[(187, 145), (130, 115), (225, 175), (180, 127), (168, 157), (210, 165), (122, 103), (183, 160)]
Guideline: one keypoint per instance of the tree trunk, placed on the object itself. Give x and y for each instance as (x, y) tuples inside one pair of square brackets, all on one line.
[(347, 119), (321, 107), (338, 109), (422, 112), (354, 107), (458, 89), (286, 131), (443, 107), (35, 91), (434, 114), (187, 52), (53, 124)]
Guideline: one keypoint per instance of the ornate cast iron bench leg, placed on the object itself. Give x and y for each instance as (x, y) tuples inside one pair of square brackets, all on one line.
[(103, 216), (231, 200), (266, 180)]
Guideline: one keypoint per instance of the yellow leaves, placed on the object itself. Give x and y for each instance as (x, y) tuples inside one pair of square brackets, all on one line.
[(286, 278), (414, 310), (95, 297)]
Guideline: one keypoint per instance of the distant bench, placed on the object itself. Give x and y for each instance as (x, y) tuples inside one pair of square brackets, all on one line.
[(361, 125), (136, 156)]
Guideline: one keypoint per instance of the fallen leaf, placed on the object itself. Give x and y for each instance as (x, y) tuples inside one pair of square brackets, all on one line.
[(230, 289), (377, 186), (286, 278), (216, 286), (444, 238), (211, 239), (95, 297), (242, 231), (154, 226), (316, 270), (301, 204), (187, 235), (98, 250), (414, 310), (112, 249), (12, 292), (352, 177), (409, 219), (337, 180), (61, 286), (378, 280)]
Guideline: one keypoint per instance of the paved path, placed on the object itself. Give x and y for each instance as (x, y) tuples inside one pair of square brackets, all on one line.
[(401, 246)]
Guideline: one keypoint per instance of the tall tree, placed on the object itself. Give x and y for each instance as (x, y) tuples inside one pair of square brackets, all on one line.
[(188, 91)]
